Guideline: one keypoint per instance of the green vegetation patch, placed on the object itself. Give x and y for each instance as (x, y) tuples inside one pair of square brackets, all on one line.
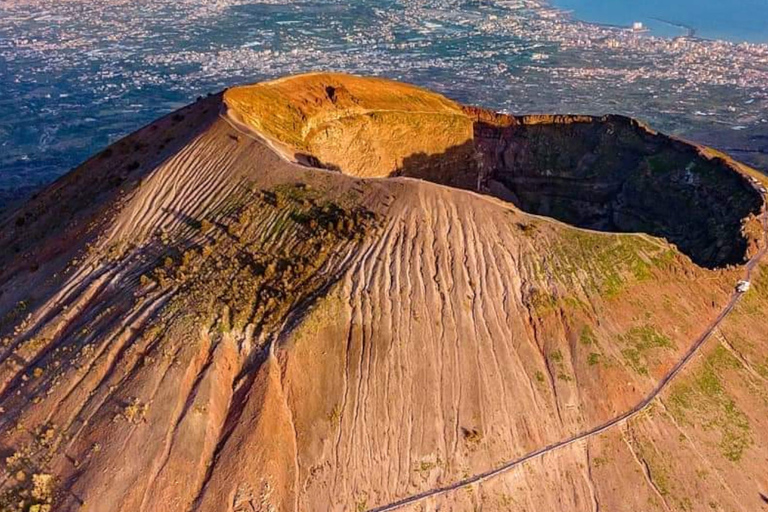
[(542, 302), (639, 343), (257, 258), (326, 311), (605, 264), (659, 475), (658, 469), (558, 366), (756, 299), (587, 336), (762, 368), (702, 399), (28, 483)]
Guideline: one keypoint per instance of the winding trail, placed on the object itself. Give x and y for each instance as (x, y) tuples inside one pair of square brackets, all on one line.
[(663, 383)]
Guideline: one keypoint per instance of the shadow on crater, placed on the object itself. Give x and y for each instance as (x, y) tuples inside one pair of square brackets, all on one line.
[(608, 174)]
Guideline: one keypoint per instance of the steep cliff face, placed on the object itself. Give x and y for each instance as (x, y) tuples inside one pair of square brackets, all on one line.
[(613, 174), (191, 322), (364, 127)]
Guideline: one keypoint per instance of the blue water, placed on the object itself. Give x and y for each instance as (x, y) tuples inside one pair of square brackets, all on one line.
[(733, 20)]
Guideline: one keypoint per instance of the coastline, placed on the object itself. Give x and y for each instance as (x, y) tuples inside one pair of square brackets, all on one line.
[(689, 31)]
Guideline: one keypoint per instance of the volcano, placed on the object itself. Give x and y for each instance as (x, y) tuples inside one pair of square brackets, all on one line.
[(332, 292)]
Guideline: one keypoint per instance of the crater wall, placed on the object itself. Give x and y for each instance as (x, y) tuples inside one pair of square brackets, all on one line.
[(365, 127), (606, 173), (614, 174)]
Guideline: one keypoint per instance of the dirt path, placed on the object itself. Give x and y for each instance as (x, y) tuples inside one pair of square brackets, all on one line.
[(694, 348)]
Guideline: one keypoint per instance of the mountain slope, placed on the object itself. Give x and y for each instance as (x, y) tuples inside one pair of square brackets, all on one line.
[(191, 321)]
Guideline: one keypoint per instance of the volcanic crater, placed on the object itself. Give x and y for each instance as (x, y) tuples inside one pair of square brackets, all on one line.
[(609, 173), (192, 322)]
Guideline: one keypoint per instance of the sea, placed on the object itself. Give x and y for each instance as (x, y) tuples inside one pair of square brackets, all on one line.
[(732, 20)]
